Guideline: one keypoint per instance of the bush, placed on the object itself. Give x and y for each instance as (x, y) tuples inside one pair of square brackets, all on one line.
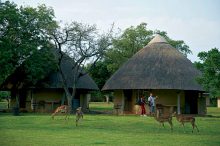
[(213, 102), (98, 96), (4, 95)]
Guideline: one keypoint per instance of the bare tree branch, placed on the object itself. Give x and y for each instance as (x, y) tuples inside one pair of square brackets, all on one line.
[(83, 45)]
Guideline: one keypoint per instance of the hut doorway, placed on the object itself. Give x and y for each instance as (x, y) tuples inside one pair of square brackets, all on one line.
[(22, 99), (191, 102), (127, 100)]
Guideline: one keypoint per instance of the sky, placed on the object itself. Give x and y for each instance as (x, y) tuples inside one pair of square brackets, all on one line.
[(197, 22)]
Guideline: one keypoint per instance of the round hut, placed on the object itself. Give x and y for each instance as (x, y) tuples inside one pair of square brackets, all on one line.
[(48, 93), (162, 70)]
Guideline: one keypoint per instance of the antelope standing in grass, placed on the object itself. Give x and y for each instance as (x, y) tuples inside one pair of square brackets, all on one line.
[(79, 114), (61, 109), (186, 119), (66, 110), (163, 119)]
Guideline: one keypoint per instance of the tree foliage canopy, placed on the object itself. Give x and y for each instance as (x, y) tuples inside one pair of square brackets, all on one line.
[(180, 45), (23, 32), (210, 68), (131, 40), (99, 73), (127, 44)]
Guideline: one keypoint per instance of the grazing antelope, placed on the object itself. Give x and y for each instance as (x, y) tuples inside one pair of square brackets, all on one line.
[(61, 109), (79, 114), (186, 119), (163, 119)]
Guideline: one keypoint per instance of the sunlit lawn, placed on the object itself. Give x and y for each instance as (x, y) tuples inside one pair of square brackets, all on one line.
[(39, 129), (101, 106), (214, 111)]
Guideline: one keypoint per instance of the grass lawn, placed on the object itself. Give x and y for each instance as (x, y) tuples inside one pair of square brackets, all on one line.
[(101, 106), (40, 129), (213, 111)]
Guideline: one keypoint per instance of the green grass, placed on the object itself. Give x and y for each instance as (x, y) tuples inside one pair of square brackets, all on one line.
[(213, 111), (101, 106), (40, 129)]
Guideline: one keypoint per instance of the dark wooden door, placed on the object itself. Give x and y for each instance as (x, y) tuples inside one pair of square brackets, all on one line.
[(128, 100), (22, 98), (191, 102)]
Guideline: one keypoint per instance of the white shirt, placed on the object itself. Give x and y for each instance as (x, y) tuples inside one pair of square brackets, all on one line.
[(152, 100)]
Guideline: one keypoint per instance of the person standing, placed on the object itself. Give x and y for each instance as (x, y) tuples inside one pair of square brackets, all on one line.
[(151, 103), (142, 104)]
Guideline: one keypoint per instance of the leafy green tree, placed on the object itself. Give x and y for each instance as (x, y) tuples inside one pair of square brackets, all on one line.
[(132, 40), (210, 68), (126, 45), (178, 44), (100, 73), (23, 32), (39, 65)]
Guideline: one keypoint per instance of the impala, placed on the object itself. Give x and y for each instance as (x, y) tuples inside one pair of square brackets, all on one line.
[(163, 119), (186, 119), (61, 109)]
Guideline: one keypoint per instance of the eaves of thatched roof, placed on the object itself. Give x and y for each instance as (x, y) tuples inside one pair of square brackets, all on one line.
[(54, 79), (156, 66)]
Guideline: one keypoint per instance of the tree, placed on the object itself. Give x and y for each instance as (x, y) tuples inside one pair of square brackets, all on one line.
[(178, 44), (99, 73), (132, 40), (39, 65), (83, 45), (126, 45), (210, 68), (35, 68), (23, 32)]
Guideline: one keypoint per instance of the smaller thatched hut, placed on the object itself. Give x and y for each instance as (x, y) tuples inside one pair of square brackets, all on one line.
[(162, 70), (48, 93)]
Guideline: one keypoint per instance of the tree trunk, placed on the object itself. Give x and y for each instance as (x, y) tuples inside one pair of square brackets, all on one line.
[(70, 97), (73, 95)]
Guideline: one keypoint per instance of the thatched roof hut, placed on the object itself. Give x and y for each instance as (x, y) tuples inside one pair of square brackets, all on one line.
[(48, 93), (156, 66), (160, 69), (54, 79)]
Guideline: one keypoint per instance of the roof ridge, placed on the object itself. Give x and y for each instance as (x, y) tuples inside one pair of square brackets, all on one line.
[(158, 39)]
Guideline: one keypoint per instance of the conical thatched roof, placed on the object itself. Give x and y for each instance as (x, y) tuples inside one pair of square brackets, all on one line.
[(54, 80), (156, 66)]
